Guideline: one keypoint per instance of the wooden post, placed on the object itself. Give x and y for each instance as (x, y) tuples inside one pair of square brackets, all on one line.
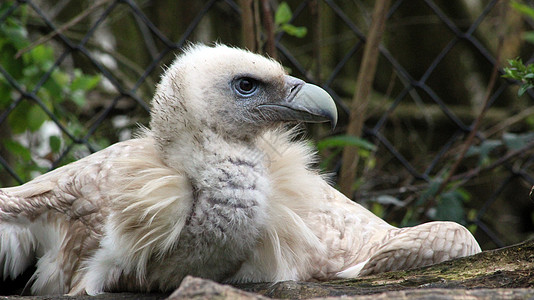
[(361, 96), (247, 25), (268, 26)]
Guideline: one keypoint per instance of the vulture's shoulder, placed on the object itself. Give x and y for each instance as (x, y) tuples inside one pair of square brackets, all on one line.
[(78, 188)]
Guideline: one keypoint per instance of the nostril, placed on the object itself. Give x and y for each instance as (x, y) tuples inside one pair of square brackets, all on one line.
[(293, 91), (293, 86)]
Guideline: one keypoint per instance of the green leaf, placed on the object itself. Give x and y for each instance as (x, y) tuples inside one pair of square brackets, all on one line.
[(465, 195), (7, 59), (36, 118), (345, 140), (31, 71), (523, 8), (84, 82), (17, 149), (17, 119), (15, 34), (293, 30), (523, 89), (78, 97), (430, 191), (522, 73), (45, 96), (377, 209), (450, 207), (483, 150), (60, 78), (42, 55), (55, 143), (517, 141), (529, 36), (283, 14), (5, 96)]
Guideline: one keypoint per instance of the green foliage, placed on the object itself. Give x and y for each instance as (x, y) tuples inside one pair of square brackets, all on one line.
[(510, 141), (16, 147), (377, 209), (282, 17), (517, 70), (448, 205), (483, 151), (520, 72), (63, 88), (331, 147), (514, 141), (523, 9)]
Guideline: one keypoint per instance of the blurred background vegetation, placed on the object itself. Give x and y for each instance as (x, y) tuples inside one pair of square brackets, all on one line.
[(445, 136)]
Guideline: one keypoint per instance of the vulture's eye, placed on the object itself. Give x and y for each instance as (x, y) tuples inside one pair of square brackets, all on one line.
[(245, 86)]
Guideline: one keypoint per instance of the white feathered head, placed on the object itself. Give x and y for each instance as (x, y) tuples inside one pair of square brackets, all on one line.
[(234, 93)]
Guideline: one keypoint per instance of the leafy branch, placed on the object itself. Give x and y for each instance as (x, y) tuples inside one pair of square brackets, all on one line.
[(517, 69), (61, 91), (282, 17), (520, 72)]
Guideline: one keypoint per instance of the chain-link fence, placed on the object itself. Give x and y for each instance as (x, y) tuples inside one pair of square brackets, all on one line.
[(77, 76)]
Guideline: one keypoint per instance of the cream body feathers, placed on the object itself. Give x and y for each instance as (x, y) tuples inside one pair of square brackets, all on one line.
[(216, 188)]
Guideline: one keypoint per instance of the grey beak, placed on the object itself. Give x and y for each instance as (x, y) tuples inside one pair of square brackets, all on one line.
[(307, 103)]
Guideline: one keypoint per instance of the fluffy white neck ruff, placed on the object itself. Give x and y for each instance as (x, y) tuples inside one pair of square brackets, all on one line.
[(230, 192)]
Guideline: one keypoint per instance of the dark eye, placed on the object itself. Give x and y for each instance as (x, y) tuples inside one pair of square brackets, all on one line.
[(245, 86)]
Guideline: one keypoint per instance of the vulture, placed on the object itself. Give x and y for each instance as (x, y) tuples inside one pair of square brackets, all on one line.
[(217, 187)]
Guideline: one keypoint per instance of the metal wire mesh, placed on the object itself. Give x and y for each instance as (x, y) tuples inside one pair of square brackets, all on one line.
[(127, 92)]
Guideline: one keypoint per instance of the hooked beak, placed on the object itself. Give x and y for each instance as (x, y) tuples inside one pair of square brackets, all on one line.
[(305, 102)]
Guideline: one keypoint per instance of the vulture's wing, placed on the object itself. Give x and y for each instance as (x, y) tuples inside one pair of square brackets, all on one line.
[(373, 246), (337, 238), (422, 245), (350, 232), (57, 217)]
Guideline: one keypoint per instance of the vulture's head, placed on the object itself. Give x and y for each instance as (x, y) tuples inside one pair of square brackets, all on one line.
[(234, 93)]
